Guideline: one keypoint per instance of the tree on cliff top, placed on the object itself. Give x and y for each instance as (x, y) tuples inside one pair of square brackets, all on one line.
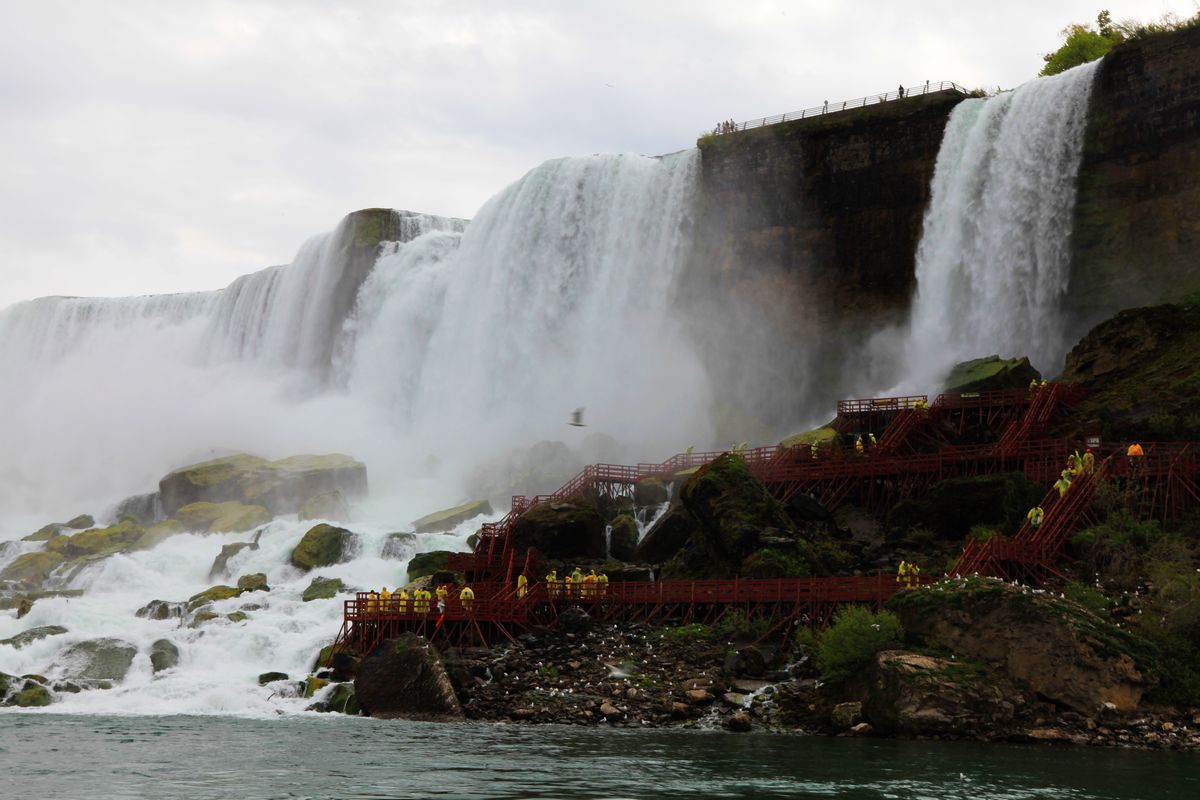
[(1085, 43)]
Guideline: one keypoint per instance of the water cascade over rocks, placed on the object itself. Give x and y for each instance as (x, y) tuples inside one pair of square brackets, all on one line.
[(425, 357), (993, 262)]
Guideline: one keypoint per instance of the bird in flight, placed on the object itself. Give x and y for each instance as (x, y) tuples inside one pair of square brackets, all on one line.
[(577, 418)]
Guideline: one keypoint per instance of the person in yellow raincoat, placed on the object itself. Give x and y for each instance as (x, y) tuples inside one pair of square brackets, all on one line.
[(401, 598), (522, 586), (467, 598), (373, 602), (552, 584), (385, 601), (602, 584), (1035, 516), (577, 582), (442, 593), (1089, 461), (589, 584)]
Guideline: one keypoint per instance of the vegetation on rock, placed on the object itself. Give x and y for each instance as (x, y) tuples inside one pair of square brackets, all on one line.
[(322, 546), (851, 642)]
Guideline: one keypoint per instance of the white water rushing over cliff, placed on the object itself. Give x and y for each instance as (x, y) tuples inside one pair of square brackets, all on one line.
[(456, 344), (993, 263)]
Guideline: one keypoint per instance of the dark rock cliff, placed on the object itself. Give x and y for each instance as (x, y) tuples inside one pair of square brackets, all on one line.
[(808, 230), (1137, 218)]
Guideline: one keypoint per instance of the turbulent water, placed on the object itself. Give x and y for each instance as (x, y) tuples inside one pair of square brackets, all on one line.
[(88, 757), (993, 262)]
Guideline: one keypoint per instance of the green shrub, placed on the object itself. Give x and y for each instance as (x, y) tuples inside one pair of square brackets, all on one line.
[(854, 638), (689, 633), (773, 563), (1087, 596), (735, 625)]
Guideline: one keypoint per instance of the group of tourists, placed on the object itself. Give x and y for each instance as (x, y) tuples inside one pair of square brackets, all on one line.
[(421, 600), (575, 585), (1076, 465)]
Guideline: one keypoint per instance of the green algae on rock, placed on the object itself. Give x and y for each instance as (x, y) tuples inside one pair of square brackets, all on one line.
[(450, 518), (991, 372), (322, 546)]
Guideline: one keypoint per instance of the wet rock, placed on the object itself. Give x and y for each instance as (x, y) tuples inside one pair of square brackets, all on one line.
[(990, 372), (67, 686), (24, 606), (405, 677), (399, 546), (739, 722), (845, 715), (700, 697), (270, 677), (323, 589), (32, 635), (257, 582), (201, 617), (342, 700), (106, 659), (32, 569), (313, 685), (609, 710), (326, 505), (212, 595), (623, 538), (861, 729), (230, 516), (425, 564), (575, 620), (237, 616), (161, 609), (450, 518), (561, 530), (322, 546), (220, 563), (145, 508), (163, 655), (33, 695), (672, 531), (650, 492), (99, 541)]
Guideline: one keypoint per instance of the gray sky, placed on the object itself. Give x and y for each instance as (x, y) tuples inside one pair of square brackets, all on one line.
[(167, 145)]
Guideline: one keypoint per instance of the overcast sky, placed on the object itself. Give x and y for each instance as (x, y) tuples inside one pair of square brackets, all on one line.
[(165, 146)]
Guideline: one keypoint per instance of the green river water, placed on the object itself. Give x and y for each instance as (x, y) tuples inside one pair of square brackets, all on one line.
[(92, 757)]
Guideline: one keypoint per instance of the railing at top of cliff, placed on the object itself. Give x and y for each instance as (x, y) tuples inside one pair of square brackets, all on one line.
[(844, 105)]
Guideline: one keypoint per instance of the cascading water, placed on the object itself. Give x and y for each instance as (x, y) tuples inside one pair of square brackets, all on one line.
[(992, 266), (460, 345)]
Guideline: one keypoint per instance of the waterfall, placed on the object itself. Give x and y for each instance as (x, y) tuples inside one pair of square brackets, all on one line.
[(994, 257)]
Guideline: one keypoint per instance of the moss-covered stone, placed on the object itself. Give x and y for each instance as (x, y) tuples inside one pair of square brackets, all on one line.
[(326, 505), (32, 569), (201, 617), (104, 541), (323, 589), (237, 616), (403, 546), (623, 538), (342, 700), (991, 372), (212, 595), (163, 655), (430, 563), (34, 695), (256, 582), (321, 546), (32, 635), (732, 507), (955, 505), (570, 530), (230, 516), (105, 659), (806, 439), (271, 677), (450, 518), (157, 533), (220, 564), (650, 492), (45, 533), (80, 522), (313, 685)]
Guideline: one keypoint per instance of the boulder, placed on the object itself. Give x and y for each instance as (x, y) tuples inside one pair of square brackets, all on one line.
[(227, 517), (575, 620), (920, 695), (157, 533), (32, 635), (32, 569), (33, 695), (672, 531), (450, 518), (100, 541), (405, 678), (163, 655), (955, 505), (312, 685), (990, 372), (212, 595), (237, 616), (161, 609), (271, 677), (106, 659), (46, 532), (323, 545), (399, 546), (326, 505), (623, 538), (280, 486), (431, 563), (220, 564), (323, 589), (201, 617), (732, 507), (80, 522), (845, 715), (806, 439), (561, 531), (256, 582), (1055, 647), (739, 722), (342, 700), (650, 492), (145, 508)]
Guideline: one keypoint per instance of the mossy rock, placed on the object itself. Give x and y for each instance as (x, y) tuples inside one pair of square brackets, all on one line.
[(237, 616), (314, 685), (46, 532), (32, 569), (623, 539), (732, 507), (34, 695), (157, 533), (161, 609), (212, 595), (450, 518), (271, 677), (326, 505), (989, 373), (163, 655), (201, 617), (220, 565), (80, 522), (323, 589), (227, 517), (401, 546), (32, 635), (104, 541), (956, 505), (806, 439), (342, 700), (430, 563), (775, 563), (322, 659), (105, 659), (650, 492), (256, 582), (322, 546), (280, 486), (6, 681), (571, 530)]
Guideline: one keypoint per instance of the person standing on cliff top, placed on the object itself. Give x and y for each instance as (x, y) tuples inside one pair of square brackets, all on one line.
[(901, 91)]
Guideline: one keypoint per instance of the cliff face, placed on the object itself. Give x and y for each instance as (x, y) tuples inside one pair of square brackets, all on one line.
[(1137, 220), (809, 229)]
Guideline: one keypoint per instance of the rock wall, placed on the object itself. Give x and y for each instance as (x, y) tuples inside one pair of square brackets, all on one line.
[(808, 230), (1137, 220)]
